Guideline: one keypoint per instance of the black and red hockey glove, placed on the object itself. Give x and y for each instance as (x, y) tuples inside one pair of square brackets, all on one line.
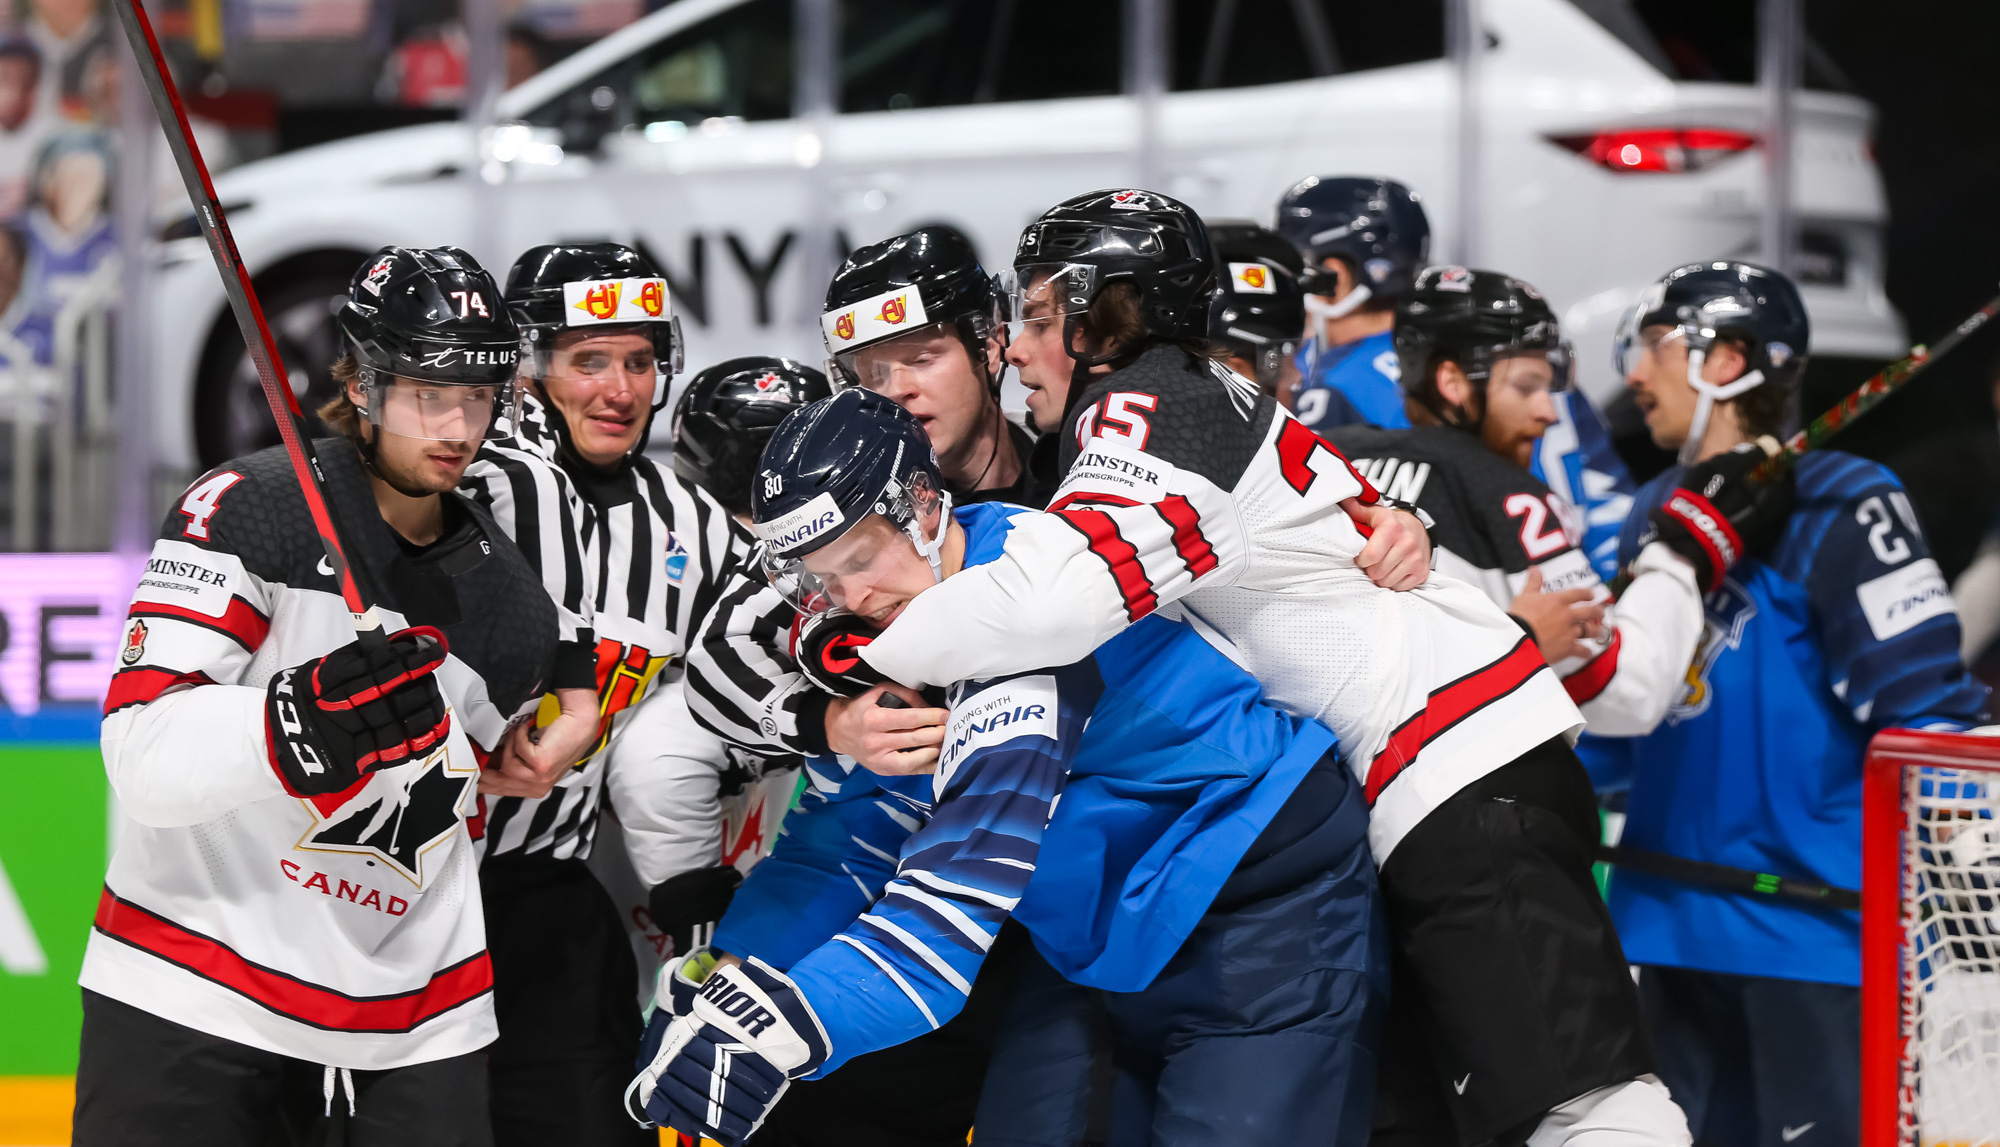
[(688, 906), (829, 653), (1719, 515), (354, 711)]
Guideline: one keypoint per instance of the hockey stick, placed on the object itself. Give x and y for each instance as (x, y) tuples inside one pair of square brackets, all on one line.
[(1869, 394), (1730, 877), (249, 316)]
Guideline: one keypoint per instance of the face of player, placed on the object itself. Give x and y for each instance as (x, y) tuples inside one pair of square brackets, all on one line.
[(419, 466), (1037, 352), (603, 385), (1659, 385), (17, 91), (928, 373), (873, 570), (1519, 406), (1342, 274)]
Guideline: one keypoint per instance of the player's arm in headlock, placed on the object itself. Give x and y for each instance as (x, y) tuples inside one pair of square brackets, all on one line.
[(1147, 512), (184, 739)]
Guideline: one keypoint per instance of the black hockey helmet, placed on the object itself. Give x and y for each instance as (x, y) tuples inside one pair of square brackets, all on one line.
[(592, 286), (1376, 226), (433, 315), (1082, 245), (1472, 318), (899, 286), (727, 414), (1258, 312), (1724, 299), (828, 466)]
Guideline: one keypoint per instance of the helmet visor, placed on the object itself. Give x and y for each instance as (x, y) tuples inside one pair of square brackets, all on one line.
[(1034, 291), (895, 365), (636, 358), (1633, 342), (835, 575), (439, 411)]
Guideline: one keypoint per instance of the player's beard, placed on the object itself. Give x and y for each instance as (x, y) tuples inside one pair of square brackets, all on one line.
[(406, 478)]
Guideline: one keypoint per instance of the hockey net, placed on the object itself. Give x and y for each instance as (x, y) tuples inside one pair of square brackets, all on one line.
[(1930, 941)]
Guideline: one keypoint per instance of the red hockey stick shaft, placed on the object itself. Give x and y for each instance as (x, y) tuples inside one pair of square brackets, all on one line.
[(243, 302)]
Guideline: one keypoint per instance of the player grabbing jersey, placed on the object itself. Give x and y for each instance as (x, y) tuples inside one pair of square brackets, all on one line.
[(292, 927), (1832, 625), (1194, 824), (1185, 487)]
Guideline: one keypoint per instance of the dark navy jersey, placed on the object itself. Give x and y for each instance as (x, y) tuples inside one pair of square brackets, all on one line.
[(1844, 628)]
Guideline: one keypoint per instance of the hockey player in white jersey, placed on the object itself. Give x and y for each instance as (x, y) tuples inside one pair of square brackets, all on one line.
[(292, 927), (1186, 488)]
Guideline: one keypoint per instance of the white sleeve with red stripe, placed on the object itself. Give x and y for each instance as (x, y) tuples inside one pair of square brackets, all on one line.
[(183, 742), (1126, 534), (1657, 623)]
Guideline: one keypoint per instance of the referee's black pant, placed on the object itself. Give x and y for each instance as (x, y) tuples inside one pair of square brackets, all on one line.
[(565, 996)]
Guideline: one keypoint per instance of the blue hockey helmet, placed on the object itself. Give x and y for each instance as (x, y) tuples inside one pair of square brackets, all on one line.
[(830, 465), (1723, 299), (1376, 226)]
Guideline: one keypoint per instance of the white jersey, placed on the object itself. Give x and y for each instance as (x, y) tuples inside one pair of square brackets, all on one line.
[(1184, 484), (343, 929)]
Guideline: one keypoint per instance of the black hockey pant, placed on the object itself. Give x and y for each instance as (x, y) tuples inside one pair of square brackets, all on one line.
[(148, 1082)]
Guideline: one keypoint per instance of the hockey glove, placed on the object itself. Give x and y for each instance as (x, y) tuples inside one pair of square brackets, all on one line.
[(720, 1069), (1718, 515), (829, 653), (330, 721), (687, 906)]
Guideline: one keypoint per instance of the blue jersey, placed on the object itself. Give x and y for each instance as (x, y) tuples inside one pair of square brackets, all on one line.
[(1352, 383), (1844, 628), (1576, 460), (1168, 764)]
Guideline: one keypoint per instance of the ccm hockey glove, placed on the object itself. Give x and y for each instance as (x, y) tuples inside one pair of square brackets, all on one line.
[(829, 653), (720, 1069), (687, 906), (1718, 515), (354, 711)]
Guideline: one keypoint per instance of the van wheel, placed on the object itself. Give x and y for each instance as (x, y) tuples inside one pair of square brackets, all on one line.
[(231, 418)]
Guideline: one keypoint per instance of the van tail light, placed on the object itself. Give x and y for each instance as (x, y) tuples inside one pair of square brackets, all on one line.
[(1658, 148)]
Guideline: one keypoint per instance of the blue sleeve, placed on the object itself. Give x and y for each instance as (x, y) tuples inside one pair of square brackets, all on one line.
[(1885, 619), (835, 853), (906, 966), (1608, 760), (1577, 461)]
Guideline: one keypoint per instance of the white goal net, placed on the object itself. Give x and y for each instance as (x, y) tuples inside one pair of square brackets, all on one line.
[(1944, 1031)]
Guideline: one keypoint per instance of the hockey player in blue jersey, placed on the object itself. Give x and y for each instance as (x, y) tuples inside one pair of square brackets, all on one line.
[(1363, 240), (1830, 627), (1201, 902)]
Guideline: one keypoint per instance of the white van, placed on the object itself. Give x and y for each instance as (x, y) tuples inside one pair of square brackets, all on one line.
[(1614, 148)]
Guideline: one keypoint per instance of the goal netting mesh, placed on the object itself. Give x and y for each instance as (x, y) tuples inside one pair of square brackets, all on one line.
[(1949, 1006)]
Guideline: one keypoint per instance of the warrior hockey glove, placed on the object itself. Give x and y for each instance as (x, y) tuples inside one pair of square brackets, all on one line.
[(354, 711), (687, 906), (829, 653), (721, 1068), (1718, 515)]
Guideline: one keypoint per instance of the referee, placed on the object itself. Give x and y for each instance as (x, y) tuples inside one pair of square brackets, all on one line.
[(641, 554)]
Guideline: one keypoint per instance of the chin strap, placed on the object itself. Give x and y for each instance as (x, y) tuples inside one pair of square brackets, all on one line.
[(932, 550), (1322, 308), (1707, 394)]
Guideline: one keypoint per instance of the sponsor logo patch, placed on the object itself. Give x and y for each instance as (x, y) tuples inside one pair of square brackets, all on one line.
[(1454, 279), (378, 275), (1132, 200), (1109, 466), (1023, 707), (187, 576), (1904, 598), (1252, 279), (889, 313), (677, 558), (640, 300), (802, 525)]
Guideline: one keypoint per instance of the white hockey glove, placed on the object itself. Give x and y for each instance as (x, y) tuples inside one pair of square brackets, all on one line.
[(719, 1069), (678, 983)]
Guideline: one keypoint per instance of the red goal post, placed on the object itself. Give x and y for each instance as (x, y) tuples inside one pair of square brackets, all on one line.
[(1930, 940)]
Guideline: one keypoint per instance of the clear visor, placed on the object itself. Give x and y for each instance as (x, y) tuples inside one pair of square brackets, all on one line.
[(608, 364), (1522, 370), (438, 411), (893, 366), (1036, 291), (832, 576), (1633, 343)]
